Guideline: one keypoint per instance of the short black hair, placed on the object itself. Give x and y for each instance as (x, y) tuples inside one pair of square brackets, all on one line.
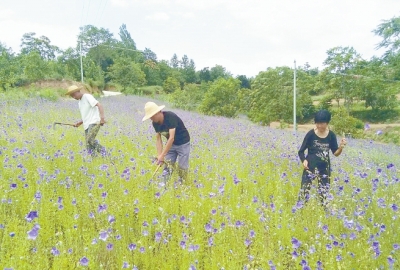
[(322, 116)]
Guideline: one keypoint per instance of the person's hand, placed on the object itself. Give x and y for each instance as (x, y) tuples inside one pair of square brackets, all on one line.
[(102, 121), (77, 124), (343, 143), (160, 159), (305, 164)]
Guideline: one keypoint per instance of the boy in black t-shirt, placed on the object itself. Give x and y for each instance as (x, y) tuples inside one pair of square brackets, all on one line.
[(177, 148), (318, 142)]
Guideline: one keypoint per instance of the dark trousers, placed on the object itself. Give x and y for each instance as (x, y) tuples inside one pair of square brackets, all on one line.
[(321, 178)]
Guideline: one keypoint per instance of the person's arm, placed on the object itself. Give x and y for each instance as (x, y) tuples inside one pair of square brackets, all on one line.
[(302, 149), (78, 123), (168, 145), (340, 148), (101, 111)]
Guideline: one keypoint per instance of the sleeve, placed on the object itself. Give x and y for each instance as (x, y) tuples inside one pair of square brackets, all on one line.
[(333, 143), (303, 147), (92, 101)]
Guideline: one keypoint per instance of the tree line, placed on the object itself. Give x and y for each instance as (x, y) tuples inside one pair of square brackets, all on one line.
[(346, 76)]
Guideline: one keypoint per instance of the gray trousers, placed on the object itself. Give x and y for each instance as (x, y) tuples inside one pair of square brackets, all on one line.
[(178, 154)]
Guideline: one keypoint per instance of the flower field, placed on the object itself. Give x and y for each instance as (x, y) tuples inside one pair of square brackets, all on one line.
[(62, 209)]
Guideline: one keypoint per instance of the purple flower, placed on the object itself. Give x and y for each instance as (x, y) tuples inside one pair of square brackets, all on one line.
[(210, 241), (84, 261), (366, 126), (103, 235), (102, 208), (104, 167), (379, 132), (13, 186), (110, 246), (296, 243), (396, 246), (125, 265), (55, 251), (252, 234), (142, 250), (208, 227), (12, 234), (131, 246), (158, 236), (111, 219), (247, 242), (235, 180), (391, 261), (239, 224), (395, 207), (32, 234), (182, 244), (31, 216)]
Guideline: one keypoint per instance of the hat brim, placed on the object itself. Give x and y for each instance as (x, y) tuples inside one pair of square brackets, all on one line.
[(73, 91), (149, 115)]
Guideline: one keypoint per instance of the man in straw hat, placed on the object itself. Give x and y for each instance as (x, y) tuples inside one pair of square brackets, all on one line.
[(177, 148), (92, 114)]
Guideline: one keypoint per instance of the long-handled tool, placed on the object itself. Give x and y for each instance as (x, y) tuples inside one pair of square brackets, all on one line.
[(63, 124), (154, 173)]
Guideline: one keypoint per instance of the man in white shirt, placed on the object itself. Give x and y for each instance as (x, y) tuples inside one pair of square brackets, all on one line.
[(92, 113)]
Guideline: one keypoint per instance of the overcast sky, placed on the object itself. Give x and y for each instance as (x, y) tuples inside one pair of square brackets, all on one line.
[(244, 36)]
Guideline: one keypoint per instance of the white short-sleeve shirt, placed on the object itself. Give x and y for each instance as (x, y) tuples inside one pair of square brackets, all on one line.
[(89, 111)]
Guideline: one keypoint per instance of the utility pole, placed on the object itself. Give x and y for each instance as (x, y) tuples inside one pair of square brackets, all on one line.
[(80, 45), (294, 99)]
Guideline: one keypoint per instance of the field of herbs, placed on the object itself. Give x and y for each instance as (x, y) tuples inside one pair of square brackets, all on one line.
[(61, 209)]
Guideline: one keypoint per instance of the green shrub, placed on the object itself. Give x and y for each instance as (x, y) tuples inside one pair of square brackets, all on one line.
[(49, 94), (343, 123)]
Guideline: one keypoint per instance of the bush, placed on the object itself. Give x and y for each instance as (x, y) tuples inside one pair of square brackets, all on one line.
[(343, 123), (190, 97)]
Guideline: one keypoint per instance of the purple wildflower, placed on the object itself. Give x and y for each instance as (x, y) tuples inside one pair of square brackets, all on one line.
[(131, 246), (103, 235), (125, 265), (102, 208), (208, 227), (111, 219), (158, 236), (235, 180), (55, 251), (32, 234), (110, 246), (84, 261), (31, 216), (210, 241), (296, 243)]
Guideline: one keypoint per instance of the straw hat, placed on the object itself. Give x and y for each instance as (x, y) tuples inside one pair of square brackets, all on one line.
[(150, 109), (72, 89)]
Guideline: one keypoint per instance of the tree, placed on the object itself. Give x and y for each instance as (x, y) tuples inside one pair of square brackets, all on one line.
[(126, 38), (174, 61), (41, 45), (340, 64), (271, 98), (219, 72), (170, 85), (389, 31), (126, 73), (221, 98), (244, 81), (149, 55), (204, 75), (9, 71), (35, 68)]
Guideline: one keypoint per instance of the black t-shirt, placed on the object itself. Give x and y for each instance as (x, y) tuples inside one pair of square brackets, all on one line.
[(171, 120), (318, 150)]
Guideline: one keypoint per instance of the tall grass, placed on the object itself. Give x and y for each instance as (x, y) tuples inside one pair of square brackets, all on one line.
[(237, 211)]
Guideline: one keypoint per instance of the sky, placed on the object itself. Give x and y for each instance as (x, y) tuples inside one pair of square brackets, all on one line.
[(244, 36)]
